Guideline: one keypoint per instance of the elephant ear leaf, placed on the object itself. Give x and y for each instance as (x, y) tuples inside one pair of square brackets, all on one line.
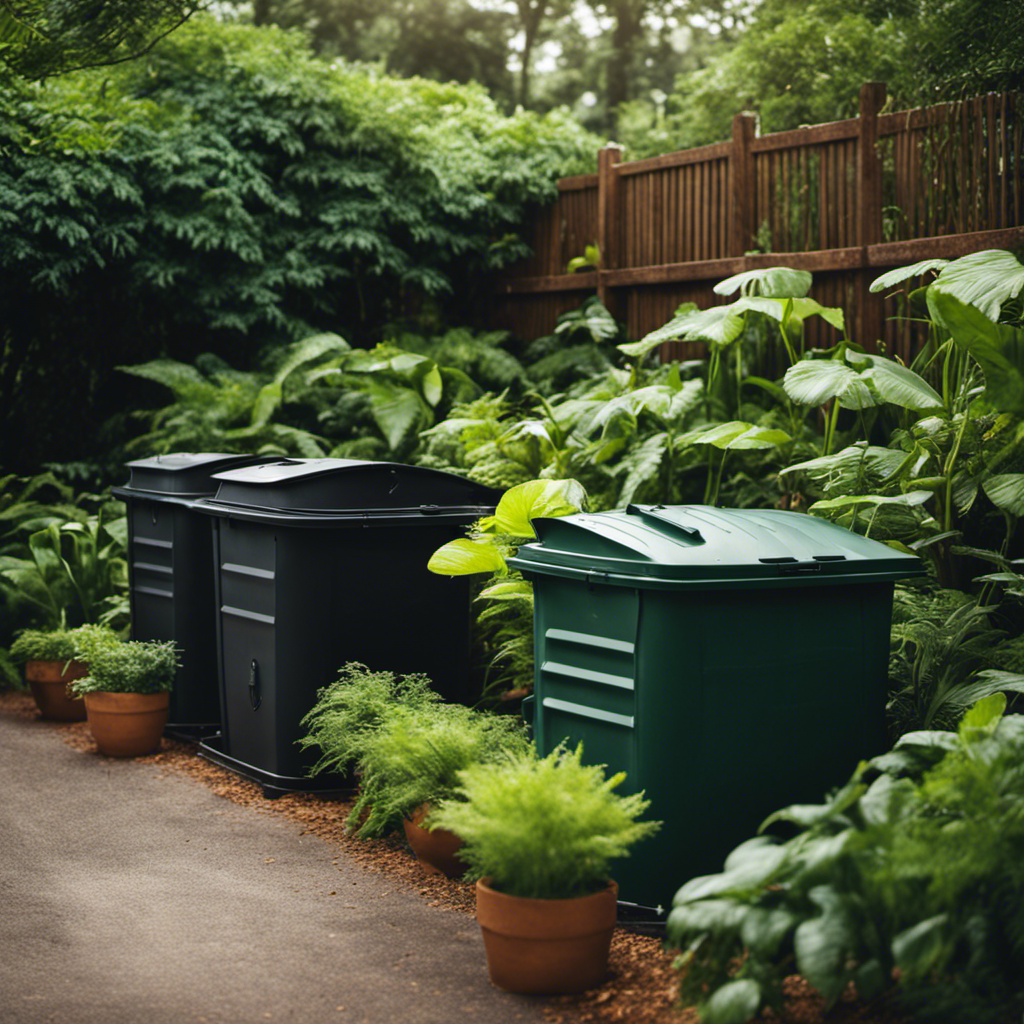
[(984, 280), (997, 348)]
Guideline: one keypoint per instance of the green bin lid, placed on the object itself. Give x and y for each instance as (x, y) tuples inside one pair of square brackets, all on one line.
[(180, 474), (699, 546)]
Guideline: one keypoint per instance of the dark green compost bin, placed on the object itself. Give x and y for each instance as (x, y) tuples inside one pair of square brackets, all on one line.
[(319, 562), (730, 661), (170, 573)]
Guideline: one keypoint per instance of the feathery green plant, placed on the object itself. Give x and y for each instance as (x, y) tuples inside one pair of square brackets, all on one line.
[(416, 755), (349, 711), (546, 828)]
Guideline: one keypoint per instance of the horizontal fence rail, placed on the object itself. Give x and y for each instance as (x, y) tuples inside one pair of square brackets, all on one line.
[(846, 200)]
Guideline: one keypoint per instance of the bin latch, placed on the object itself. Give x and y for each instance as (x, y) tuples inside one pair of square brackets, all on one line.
[(255, 698), (793, 568)]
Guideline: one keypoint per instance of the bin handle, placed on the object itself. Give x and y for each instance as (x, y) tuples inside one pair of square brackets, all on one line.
[(690, 532), (255, 697)]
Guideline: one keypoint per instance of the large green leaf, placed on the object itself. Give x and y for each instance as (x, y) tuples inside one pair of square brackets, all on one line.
[(899, 385), (734, 1003), (737, 434), (301, 352), (984, 280), (674, 330), (396, 409), (799, 308), (822, 944), (532, 500), (1006, 491), (901, 274), (464, 557), (997, 348), (781, 282), (919, 948), (817, 381)]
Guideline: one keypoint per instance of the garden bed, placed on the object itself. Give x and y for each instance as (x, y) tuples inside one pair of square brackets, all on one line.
[(641, 987)]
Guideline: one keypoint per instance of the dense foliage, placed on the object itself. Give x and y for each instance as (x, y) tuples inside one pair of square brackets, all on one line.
[(907, 879), (227, 191)]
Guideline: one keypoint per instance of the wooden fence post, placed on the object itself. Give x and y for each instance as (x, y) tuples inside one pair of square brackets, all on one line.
[(609, 229), (744, 184), (869, 317)]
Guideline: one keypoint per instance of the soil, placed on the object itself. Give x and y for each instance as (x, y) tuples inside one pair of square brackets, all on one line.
[(642, 987)]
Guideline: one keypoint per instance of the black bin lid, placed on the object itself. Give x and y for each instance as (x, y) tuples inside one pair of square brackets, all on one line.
[(322, 491), (181, 474), (696, 546)]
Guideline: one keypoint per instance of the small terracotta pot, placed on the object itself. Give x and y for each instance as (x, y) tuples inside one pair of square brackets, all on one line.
[(127, 724), (436, 850), (49, 684), (546, 947)]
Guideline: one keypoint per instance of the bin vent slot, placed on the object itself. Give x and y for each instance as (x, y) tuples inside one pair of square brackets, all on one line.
[(589, 675), (781, 560), (153, 567), (830, 558), (587, 712), (242, 613), (154, 591), (248, 570), (152, 542), (591, 640)]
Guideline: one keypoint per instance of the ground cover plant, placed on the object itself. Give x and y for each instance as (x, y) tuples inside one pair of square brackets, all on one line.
[(906, 880)]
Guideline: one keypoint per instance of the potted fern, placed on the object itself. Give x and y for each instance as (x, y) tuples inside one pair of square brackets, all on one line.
[(411, 765), (351, 710), (52, 660), (539, 834), (127, 695)]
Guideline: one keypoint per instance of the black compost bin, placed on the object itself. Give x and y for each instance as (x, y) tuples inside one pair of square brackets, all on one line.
[(730, 661), (320, 562), (170, 572)]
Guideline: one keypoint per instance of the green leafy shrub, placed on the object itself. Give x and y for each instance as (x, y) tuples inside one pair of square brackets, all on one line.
[(416, 755), (349, 712), (908, 879), (546, 827), (75, 572), (133, 666), (61, 644), (229, 191)]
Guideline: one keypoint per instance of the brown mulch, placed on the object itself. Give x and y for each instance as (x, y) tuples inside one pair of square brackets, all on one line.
[(642, 985)]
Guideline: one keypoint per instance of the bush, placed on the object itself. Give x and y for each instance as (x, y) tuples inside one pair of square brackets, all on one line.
[(910, 872), (135, 666), (545, 828), (228, 191), (415, 758), (352, 709)]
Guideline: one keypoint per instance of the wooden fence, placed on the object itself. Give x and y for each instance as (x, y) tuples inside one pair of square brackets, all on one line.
[(846, 201)]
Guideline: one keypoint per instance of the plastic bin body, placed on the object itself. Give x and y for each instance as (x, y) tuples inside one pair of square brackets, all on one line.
[(170, 572), (322, 562), (725, 687)]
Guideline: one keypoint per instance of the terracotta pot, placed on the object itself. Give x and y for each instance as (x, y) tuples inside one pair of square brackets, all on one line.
[(127, 724), (546, 947), (437, 850), (49, 684)]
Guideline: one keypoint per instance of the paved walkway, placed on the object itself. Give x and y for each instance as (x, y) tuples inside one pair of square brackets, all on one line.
[(127, 899)]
